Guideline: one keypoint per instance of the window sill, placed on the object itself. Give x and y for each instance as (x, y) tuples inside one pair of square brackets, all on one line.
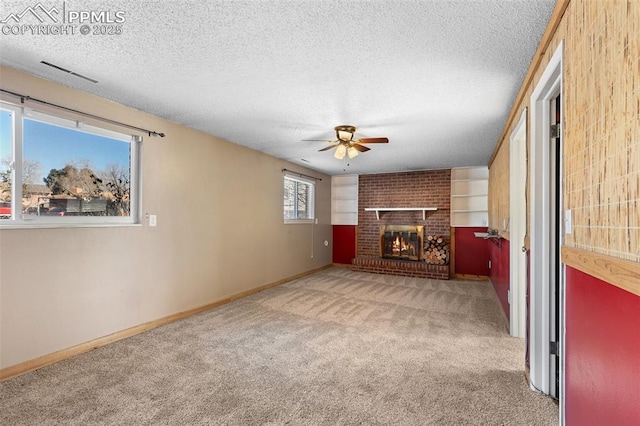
[(67, 225)]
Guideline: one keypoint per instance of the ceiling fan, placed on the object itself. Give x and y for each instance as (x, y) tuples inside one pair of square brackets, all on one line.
[(345, 144)]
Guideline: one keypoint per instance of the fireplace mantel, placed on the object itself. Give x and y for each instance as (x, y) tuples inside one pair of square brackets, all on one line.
[(379, 210)]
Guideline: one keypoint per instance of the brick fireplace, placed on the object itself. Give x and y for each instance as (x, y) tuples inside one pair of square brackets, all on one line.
[(429, 188)]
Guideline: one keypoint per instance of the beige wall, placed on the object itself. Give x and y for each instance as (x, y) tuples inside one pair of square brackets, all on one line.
[(220, 232), (601, 136)]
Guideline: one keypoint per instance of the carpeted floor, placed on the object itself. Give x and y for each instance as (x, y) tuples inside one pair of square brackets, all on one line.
[(333, 348)]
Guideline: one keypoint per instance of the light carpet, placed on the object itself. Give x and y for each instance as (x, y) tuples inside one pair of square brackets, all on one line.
[(333, 348)]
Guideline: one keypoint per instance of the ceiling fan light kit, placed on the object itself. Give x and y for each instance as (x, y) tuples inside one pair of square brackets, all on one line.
[(340, 151), (345, 144)]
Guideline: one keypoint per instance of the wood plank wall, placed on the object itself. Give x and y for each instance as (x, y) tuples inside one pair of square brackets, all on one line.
[(499, 191), (602, 149), (601, 127)]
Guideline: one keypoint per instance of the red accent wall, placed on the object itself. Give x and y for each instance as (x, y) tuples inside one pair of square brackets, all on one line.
[(471, 253), (344, 243), (499, 273), (602, 352)]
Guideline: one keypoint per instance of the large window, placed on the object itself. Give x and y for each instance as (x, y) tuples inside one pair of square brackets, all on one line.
[(55, 171), (298, 200)]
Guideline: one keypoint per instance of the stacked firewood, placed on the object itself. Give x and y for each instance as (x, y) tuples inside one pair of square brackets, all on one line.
[(436, 250)]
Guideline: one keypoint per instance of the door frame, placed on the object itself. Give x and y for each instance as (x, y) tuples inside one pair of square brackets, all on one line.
[(549, 86), (518, 227)]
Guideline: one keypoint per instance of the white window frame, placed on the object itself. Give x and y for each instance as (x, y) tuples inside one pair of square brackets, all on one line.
[(18, 221), (312, 207)]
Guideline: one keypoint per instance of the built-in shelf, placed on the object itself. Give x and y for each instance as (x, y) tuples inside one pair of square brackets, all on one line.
[(379, 210), (344, 200), (494, 237), (469, 196)]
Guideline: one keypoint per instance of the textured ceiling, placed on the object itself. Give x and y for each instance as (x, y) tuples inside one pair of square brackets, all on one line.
[(438, 78)]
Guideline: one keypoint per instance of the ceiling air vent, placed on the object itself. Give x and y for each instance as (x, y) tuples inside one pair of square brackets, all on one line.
[(49, 64)]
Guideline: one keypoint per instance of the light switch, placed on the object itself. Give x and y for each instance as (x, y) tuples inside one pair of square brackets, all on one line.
[(153, 220), (567, 221)]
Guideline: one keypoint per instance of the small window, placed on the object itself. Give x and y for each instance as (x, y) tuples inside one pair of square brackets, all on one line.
[(59, 172), (298, 200)]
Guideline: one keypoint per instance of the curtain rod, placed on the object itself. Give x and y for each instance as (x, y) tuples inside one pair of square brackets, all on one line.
[(301, 174), (24, 98)]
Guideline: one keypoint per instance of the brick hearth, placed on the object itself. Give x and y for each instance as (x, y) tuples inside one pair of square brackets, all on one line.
[(407, 268)]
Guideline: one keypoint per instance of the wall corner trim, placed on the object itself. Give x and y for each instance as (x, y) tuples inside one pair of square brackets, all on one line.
[(621, 273)]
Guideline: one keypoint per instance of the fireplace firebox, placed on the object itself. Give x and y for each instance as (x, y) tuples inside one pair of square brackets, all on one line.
[(401, 242)]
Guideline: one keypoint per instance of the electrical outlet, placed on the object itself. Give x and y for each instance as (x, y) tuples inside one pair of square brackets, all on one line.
[(489, 264)]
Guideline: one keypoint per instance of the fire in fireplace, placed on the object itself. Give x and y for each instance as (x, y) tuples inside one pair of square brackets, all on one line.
[(401, 241)]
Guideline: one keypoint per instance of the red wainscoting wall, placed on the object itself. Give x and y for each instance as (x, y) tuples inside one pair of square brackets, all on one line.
[(602, 352), (471, 253), (344, 243), (499, 273)]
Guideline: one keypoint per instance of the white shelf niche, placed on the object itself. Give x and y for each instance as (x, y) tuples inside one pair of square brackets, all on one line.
[(344, 200), (469, 196)]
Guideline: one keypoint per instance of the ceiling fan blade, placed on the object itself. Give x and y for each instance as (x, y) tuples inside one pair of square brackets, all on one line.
[(373, 140), (317, 140), (360, 147), (327, 148)]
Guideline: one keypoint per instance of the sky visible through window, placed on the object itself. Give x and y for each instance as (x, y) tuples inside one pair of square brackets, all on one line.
[(53, 147), (5, 134)]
